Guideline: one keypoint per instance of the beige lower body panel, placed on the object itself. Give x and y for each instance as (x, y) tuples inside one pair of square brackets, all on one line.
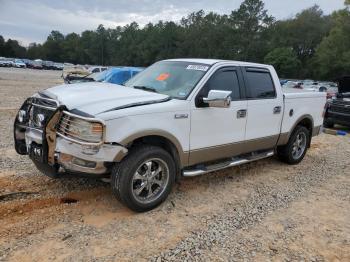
[(229, 150), (316, 130), (284, 138)]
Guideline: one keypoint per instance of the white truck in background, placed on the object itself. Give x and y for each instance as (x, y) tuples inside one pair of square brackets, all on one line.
[(179, 117)]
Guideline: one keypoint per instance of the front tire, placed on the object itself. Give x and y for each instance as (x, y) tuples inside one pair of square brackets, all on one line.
[(294, 151), (144, 179)]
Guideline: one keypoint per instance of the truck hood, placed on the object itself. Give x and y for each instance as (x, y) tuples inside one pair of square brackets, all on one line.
[(95, 98)]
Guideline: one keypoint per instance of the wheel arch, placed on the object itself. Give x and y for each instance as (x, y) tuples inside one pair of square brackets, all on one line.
[(304, 120), (162, 139)]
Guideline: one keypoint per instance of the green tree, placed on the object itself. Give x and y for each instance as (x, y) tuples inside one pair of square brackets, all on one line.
[(205, 35), (285, 62), (72, 49), (35, 51), (250, 21), (12, 48), (53, 47), (332, 57), (303, 33), (310, 44), (2, 45)]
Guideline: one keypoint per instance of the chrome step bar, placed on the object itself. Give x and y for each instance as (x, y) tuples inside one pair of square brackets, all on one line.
[(235, 162)]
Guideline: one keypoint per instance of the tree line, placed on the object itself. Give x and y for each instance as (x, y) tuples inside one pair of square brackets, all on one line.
[(309, 45)]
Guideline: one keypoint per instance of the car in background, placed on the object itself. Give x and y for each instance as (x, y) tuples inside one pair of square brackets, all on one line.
[(337, 110), (58, 66), (310, 85), (332, 89), (19, 63), (48, 65), (114, 75), (28, 62), (283, 81), (97, 69), (7, 62), (118, 75), (332, 93), (37, 65), (72, 72), (292, 84)]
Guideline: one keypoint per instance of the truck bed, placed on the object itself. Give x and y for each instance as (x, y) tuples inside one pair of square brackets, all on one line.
[(299, 103), (290, 93)]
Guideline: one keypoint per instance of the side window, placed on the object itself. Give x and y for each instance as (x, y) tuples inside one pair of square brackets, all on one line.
[(259, 85), (120, 77), (223, 79)]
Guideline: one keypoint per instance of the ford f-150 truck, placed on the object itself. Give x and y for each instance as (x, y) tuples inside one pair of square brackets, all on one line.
[(179, 117)]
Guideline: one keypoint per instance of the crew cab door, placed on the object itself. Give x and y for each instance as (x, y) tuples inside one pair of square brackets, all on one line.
[(215, 132), (265, 107)]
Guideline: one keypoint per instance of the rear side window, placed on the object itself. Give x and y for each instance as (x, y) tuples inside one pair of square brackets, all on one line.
[(259, 85)]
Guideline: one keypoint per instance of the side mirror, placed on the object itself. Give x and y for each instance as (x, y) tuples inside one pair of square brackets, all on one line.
[(218, 98)]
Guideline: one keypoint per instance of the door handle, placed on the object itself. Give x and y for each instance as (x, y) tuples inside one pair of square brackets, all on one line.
[(277, 109), (242, 113)]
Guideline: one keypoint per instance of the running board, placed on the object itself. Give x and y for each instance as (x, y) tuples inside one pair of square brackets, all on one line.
[(234, 162)]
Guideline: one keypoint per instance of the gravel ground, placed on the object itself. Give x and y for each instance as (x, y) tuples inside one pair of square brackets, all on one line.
[(263, 211)]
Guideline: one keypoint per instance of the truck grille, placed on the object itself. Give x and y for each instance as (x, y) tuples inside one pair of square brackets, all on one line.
[(46, 103), (41, 111), (337, 108)]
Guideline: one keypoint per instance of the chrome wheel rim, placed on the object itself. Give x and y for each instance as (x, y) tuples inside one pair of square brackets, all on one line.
[(299, 146), (150, 180)]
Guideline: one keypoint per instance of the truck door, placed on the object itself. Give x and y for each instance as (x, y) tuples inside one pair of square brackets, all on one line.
[(217, 132), (265, 107)]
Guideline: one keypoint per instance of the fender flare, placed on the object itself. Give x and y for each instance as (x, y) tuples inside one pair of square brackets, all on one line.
[(284, 138), (183, 155)]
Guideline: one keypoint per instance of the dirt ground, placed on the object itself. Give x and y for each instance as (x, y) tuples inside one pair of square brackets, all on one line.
[(263, 211)]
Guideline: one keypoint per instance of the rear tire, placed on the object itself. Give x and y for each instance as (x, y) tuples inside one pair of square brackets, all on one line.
[(294, 151), (328, 124), (144, 179)]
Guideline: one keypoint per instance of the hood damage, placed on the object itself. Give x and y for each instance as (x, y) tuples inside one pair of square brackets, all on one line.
[(97, 98)]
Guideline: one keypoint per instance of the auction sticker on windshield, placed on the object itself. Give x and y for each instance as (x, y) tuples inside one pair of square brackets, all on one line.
[(163, 77), (197, 67)]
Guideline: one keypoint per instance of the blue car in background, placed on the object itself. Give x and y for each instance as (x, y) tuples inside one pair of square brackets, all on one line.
[(117, 75), (114, 75)]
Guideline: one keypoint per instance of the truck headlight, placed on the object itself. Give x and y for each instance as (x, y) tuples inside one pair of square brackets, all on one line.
[(81, 129), (88, 131), (21, 115), (39, 120)]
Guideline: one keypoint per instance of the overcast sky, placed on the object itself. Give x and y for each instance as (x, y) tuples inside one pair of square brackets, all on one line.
[(32, 20)]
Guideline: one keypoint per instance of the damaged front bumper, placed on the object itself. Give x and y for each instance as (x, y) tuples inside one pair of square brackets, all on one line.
[(85, 158), (35, 134)]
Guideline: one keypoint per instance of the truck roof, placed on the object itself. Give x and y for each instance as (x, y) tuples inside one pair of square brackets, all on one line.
[(214, 61)]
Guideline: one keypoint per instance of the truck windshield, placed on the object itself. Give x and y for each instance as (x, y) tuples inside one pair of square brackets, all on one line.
[(173, 78)]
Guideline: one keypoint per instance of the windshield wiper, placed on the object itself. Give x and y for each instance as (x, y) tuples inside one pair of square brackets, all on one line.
[(146, 88)]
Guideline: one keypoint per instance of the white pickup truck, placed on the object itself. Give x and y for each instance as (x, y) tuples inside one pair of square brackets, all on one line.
[(179, 117)]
